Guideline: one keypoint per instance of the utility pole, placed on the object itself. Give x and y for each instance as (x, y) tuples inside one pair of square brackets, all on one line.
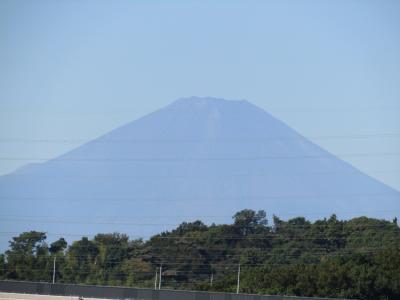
[(54, 269), (238, 281), (212, 279), (159, 282), (155, 280)]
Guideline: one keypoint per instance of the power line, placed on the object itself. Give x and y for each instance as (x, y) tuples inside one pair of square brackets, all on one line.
[(219, 140), (200, 159), (172, 176), (309, 237), (213, 260), (204, 199), (91, 222), (253, 237), (132, 217), (169, 216)]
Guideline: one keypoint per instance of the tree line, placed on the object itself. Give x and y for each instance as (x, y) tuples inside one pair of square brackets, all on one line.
[(357, 258)]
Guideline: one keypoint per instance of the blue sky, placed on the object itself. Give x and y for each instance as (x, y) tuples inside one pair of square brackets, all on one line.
[(73, 70)]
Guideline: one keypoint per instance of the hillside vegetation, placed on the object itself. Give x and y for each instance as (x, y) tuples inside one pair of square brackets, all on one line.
[(357, 258)]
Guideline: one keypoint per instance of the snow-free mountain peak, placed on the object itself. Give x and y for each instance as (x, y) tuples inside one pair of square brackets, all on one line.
[(198, 157)]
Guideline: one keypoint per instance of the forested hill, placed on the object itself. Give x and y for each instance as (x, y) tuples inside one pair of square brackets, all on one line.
[(357, 258)]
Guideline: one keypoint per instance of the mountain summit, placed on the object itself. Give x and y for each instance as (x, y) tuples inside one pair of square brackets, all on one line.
[(196, 158)]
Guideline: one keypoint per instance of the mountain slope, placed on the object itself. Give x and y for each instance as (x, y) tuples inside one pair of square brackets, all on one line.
[(195, 157)]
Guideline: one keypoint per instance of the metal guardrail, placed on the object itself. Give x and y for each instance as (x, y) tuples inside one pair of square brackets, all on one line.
[(110, 292)]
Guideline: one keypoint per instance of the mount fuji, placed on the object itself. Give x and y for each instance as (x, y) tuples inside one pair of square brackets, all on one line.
[(197, 158)]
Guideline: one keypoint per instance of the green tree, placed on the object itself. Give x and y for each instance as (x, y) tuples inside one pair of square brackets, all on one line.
[(357, 258), (3, 267), (248, 221), (58, 246), (27, 258), (81, 262)]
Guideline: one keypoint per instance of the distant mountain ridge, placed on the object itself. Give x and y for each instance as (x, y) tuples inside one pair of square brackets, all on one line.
[(202, 157)]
